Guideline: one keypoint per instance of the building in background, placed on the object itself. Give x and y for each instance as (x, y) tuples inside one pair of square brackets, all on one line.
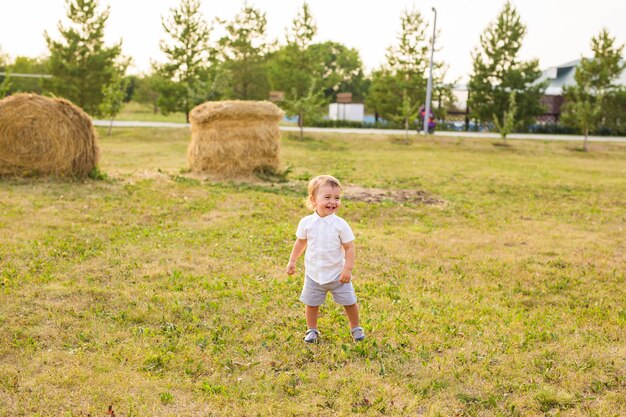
[(345, 109), (353, 112), (558, 78)]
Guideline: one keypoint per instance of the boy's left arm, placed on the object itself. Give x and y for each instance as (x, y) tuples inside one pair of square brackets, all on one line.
[(346, 273)]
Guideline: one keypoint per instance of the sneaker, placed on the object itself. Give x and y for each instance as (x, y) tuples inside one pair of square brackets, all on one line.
[(357, 333), (312, 336)]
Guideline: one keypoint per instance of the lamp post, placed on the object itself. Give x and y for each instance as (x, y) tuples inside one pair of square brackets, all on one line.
[(429, 86)]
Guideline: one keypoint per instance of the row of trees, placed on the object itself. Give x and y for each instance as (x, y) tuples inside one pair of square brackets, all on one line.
[(243, 64), (508, 91)]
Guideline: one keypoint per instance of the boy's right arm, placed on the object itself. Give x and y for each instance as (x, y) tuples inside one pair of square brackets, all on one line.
[(297, 250)]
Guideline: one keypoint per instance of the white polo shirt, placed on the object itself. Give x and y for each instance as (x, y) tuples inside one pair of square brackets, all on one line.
[(324, 257)]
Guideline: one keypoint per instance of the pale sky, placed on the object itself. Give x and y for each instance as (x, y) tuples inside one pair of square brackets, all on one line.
[(558, 31)]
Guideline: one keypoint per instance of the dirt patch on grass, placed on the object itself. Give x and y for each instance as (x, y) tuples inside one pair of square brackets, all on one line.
[(351, 192), (377, 195)]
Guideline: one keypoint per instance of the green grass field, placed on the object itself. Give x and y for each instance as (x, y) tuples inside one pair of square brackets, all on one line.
[(164, 294), (134, 111)]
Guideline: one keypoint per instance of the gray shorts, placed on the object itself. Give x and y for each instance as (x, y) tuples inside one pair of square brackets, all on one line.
[(314, 294)]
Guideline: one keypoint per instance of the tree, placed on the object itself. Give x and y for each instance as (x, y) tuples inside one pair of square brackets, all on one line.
[(595, 98), (308, 105), (303, 29), (337, 68), (146, 91), (382, 93), (5, 85), (27, 65), (404, 73), (508, 123), (606, 65), (131, 86), (5, 80), (114, 94), (583, 110), (290, 68), (497, 72), (333, 67), (80, 62), (409, 111), (185, 74), (4, 59), (244, 51), (614, 112)]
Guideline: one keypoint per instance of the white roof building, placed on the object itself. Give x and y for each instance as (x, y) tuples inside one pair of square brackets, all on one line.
[(563, 76)]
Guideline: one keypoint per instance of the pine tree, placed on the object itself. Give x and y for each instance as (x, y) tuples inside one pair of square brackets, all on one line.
[(244, 51), (303, 29), (497, 72), (606, 66), (591, 102), (80, 62), (291, 67), (409, 57), (186, 73), (405, 72)]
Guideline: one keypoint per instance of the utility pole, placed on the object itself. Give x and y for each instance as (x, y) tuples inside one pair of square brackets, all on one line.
[(429, 86)]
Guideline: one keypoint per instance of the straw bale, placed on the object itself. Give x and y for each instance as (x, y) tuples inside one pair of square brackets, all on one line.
[(45, 136), (231, 139)]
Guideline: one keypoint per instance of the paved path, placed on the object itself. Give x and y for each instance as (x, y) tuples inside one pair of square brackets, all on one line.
[(120, 123), (533, 136)]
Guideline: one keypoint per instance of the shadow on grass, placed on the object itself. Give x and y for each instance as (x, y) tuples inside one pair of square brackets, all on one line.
[(578, 149), (502, 145), (402, 141)]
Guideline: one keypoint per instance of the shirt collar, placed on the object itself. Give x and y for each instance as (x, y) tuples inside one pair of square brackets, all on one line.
[(326, 219)]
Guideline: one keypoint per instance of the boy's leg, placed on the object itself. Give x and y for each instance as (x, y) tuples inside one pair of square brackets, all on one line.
[(312, 313), (352, 311)]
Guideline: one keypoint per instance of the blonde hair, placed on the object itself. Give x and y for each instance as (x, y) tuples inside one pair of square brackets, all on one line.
[(316, 183)]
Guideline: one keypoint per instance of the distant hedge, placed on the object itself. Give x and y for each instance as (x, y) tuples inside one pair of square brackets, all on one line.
[(557, 129)]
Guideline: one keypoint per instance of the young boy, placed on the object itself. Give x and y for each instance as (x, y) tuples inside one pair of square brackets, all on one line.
[(329, 257)]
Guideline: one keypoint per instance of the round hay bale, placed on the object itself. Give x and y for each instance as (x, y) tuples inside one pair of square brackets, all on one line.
[(45, 136), (231, 139)]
